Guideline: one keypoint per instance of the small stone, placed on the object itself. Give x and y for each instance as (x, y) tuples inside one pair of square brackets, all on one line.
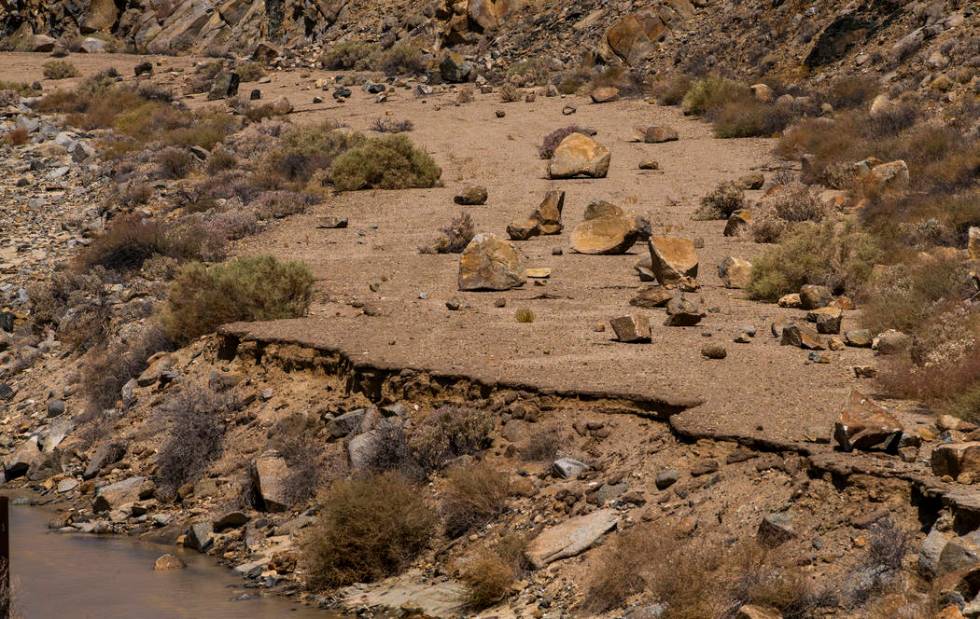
[(714, 351), (500, 113), (649, 164), (667, 478), (866, 425), (473, 195), (633, 328), (168, 562)]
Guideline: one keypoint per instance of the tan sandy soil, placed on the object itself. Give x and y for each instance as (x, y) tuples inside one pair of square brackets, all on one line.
[(762, 389)]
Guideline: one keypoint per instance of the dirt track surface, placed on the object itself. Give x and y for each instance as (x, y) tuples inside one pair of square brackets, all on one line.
[(762, 389)]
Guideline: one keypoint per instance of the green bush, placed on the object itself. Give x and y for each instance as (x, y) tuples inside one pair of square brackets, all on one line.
[(348, 55), (304, 151), (256, 288), (388, 162), (404, 58), (59, 70), (814, 254), (368, 528)]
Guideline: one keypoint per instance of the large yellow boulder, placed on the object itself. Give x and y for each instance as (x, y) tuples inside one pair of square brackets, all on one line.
[(579, 155)]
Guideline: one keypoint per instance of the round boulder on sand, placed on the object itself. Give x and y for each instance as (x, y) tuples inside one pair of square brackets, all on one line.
[(490, 263), (579, 155)]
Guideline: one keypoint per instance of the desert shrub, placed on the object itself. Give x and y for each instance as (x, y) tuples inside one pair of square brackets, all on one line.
[(154, 92), (488, 579), (173, 162), (572, 82), (389, 162), (524, 315), (292, 437), (195, 432), (348, 55), (850, 91), (792, 204), (712, 93), (671, 90), (17, 136), (813, 253), (723, 200), (59, 70), (279, 204), (131, 240), (510, 93), (105, 370), (456, 235), (746, 118), (905, 296), (221, 159), (551, 141), (254, 288), (367, 529), (134, 194), (543, 445), (387, 125), (76, 303), (302, 152), (390, 451), (475, 494), (450, 432), (250, 71), (21, 88), (405, 58), (531, 72)]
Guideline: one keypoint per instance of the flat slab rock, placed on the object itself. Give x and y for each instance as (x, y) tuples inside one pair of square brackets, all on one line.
[(571, 537), (435, 598)]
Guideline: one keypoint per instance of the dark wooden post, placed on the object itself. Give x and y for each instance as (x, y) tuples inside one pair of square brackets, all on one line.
[(5, 600)]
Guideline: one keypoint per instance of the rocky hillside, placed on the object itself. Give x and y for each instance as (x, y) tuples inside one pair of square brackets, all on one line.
[(931, 46)]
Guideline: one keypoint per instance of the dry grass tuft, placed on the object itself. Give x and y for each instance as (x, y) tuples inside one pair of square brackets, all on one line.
[(59, 70), (475, 494)]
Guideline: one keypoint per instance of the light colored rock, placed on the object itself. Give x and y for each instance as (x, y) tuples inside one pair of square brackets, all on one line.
[(735, 272), (791, 300), (751, 611), (604, 235), (570, 538), (652, 296), (891, 176), (168, 562), (673, 259), (632, 329), (683, 312), (655, 134), (121, 493), (569, 468), (802, 336), (473, 195), (548, 213), (633, 37), (892, 342), (604, 94), (865, 425), (973, 243), (827, 319), (579, 155), (490, 263), (813, 297), (270, 472), (955, 459)]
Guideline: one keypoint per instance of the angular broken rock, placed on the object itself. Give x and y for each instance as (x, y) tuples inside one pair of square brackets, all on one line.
[(199, 536), (775, 529), (735, 272), (224, 86), (632, 329), (605, 94), (523, 229), (891, 176), (570, 538), (652, 296), (331, 222), (827, 319), (683, 312), (569, 468), (548, 213), (474, 195), (955, 459), (490, 263), (601, 208), (26, 457), (859, 338), (867, 426), (802, 336), (655, 134), (673, 259), (812, 297), (579, 155), (611, 234), (752, 181), (270, 473), (106, 454), (115, 495)]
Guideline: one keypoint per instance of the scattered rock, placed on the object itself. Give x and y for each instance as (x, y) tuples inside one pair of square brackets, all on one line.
[(892, 342), (570, 538), (673, 259), (224, 86), (633, 329), (735, 272), (866, 426), (827, 319), (813, 297), (651, 297), (331, 222), (956, 459), (859, 338), (667, 478), (655, 134), (775, 529), (113, 496), (683, 312), (270, 472), (569, 468), (802, 336), (609, 234), (473, 195), (489, 263), (738, 222), (649, 164), (714, 351), (168, 562), (579, 155), (604, 94)]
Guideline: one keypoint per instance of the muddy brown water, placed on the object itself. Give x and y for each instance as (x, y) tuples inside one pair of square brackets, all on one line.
[(109, 577)]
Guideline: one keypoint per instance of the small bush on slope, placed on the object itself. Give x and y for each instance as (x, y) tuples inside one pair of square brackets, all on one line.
[(257, 288), (389, 162)]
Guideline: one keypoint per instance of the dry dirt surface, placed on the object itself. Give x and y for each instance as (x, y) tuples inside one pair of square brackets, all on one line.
[(762, 389)]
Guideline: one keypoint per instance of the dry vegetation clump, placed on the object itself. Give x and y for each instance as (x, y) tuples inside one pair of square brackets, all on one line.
[(389, 162), (279, 204), (174, 163), (490, 574), (671, 90), (106, 369), (349, 55), (840, 256), (543, 445), (255, 288), (850, 91), (551, 141), (292, 438), (404, 58), (194, 436), (368, 528), (746, 118), (250, 71), (524, 315), (474, 495), (59, 70), (510, 94), (388, 125), (23, 89), (448, 433), (530, 72), (17, 137), (84, 294), (302, 153), (221, 159), (711, 93), (724, 200), (455, 236), (131, 240), (794, 203)]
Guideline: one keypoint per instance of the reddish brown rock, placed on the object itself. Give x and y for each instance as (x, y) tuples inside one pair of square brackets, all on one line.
[(673, 259), (865, 425)]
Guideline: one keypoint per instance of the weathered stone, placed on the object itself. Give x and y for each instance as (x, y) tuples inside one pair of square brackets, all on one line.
[(548, 213), (570, 538), (891, 176), (604, 94), (579, 155), (752, 181), (473, 195), (652, 296), (931, 550), (24, 459), (960, 553), (92, 45), (100, 17), (892, 342), (827, 319), (266, 52), (735, 272), (523, 229), (604, 235), (569, 468), (973, 243), (656, 134), (601, 208), (714, 351), (865, 425), (347, 423), (738, 223), (791, 300), (802, 336), (775, 529), (673, 259), (56, 408), (859, 338), (751, 611), (230, 520), (224, 86), (634, 328), (270, 473), (632, 38), (683, 312), (168, 562), (106, 454), (955, 459), (813, 297), (454, 69), (649, 164), (667, 478), (489, 263), (200, 536), (331, 222), (113, 496)]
